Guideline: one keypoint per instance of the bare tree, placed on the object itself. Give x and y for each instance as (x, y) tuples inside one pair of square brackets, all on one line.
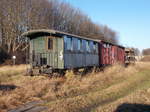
[(18, 16)]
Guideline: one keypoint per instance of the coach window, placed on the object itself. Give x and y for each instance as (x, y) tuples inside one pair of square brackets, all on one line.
[(79, 44), (84, 45), (50, 43), (68, 43), (71, 44), (96, 44), (95, 47), (88, 46), (108, 46), (91, 46), (104, 45)]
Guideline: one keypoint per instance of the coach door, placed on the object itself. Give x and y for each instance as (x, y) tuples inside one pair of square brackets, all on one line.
[(51, 51)]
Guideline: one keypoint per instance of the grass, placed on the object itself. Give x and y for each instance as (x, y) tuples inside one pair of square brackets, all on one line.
[(96, 92), (8, 72), (146, 58)]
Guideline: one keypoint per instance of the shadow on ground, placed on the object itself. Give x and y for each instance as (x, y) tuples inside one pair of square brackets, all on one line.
[(7, 87), (133, 108)]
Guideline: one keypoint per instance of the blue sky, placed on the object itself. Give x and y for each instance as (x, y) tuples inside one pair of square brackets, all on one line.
[(130, 18)]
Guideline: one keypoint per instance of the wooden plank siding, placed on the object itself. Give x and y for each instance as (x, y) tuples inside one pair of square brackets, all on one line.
[(39, 48)]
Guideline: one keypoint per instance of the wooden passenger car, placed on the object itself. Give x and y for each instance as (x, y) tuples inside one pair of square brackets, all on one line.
[(52, 50)]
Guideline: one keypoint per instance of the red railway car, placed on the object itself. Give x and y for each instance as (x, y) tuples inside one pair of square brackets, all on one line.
[(110, 53)]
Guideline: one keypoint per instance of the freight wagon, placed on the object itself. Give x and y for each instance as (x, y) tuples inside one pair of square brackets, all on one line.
[(55, 51), (110, 53)]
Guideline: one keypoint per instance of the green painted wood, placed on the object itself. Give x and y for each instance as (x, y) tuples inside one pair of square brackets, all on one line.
[(60, 49), (39, 44), (54, 57)]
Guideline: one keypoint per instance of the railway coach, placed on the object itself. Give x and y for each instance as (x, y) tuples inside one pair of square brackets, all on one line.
[(110, 53), (55, 51)]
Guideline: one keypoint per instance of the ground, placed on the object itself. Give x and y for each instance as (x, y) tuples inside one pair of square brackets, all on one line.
[(116, 89)]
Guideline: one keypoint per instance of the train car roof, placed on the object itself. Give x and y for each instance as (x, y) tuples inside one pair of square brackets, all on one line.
[(112, 44), (33, 33), (129, 49), (40, 32)]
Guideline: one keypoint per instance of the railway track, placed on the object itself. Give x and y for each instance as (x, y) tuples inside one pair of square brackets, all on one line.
[(35, 106)]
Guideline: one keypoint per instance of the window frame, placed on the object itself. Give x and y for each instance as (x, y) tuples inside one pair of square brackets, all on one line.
[(68, 43), (95, 47), (80, 44), (51, 43), (88, 46)]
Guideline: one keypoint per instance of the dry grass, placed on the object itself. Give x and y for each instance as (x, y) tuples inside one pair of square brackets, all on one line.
[(138, 97), (146, 59), (12, 69), (7, 72), (92, 92)]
